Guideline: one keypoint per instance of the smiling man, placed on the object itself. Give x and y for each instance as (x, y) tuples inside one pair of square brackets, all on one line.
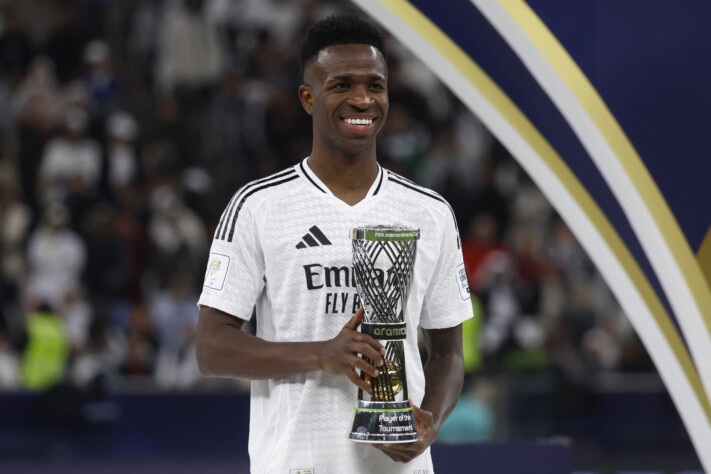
[(283, 247)]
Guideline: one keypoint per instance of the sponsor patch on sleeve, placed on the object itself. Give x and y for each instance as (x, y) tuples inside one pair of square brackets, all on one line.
[(217, 267), (462, 282)]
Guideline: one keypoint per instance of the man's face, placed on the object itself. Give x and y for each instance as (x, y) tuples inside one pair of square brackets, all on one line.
[(346, 92)]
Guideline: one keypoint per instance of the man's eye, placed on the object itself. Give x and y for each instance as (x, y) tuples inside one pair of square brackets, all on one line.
[(341, 85), (379, 87)]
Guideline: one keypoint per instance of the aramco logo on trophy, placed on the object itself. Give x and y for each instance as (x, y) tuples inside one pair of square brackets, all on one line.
[(383, 264)]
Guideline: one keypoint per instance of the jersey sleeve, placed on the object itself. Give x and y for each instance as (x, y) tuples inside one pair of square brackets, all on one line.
[(234, 277), (447, 301)]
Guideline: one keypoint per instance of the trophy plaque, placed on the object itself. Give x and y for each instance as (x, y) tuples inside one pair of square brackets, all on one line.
[(383, 264)]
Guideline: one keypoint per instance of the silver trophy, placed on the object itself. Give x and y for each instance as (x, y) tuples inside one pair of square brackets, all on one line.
[(383, 264)]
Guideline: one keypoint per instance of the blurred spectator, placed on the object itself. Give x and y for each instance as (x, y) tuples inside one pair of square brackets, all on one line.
[(404, 140), (198, 189), (71, 163), (489, 199), (475, 145), (99, 78), (131, 229), (9, 361), (222, 137), (601, 346), (15, 220), (257, 95), (108, 264), (7, 118), (497, 286), (37, 102), (190, 51), (411, 86), (281, 18), (527, 247), (75, 96), (286, 131), (56, 256), (76, 314), (479, 241), (564, 353), (441, 162), (178, 239), (143, 37), (45, 356), (141, 344), (565, 251), (121, 160), (175, 319), (170, 142), (529, 208), (15, 47), (103, 354), (66, 42)]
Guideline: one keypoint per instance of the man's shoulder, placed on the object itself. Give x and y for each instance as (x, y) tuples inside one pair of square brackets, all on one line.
[(260, 190), (249, 200), (412, 191)]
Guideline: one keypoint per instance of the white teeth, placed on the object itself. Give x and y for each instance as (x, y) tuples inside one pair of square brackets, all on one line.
[(360, 122)]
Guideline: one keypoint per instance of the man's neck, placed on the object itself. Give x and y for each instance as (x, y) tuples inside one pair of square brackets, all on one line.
[(348, 178)]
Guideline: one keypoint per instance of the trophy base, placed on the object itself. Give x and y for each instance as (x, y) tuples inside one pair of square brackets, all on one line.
[(383, 422)]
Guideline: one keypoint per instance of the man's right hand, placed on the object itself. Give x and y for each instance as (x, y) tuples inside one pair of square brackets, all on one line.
[(339, 356)]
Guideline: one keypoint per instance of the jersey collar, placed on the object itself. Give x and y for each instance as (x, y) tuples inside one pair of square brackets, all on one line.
[(375, 188)]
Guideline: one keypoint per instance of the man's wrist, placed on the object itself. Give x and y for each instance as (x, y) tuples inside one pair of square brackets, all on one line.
[(314, 358)]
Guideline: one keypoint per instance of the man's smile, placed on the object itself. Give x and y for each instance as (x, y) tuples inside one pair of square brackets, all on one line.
[(359, 123)]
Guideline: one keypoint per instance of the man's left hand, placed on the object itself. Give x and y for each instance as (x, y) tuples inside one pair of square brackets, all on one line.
[(406, 452)]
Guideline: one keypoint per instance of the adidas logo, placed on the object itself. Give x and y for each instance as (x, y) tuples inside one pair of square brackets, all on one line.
[(313, 238)]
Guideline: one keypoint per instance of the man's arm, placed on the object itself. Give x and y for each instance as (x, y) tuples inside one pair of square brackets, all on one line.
[(224, 350), (444, 377)]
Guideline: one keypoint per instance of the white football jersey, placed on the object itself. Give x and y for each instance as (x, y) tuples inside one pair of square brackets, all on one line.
[(284, 244)]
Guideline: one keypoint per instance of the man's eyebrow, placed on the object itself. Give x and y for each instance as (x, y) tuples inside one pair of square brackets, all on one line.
[(374, 77)]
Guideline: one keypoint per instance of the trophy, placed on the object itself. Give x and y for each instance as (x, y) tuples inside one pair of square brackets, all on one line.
[(383, 263)]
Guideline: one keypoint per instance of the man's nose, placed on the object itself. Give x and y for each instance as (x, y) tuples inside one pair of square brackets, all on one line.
[(360, 97)]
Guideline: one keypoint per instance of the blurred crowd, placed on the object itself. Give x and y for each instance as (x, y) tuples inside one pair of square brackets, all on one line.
[(126, 126)]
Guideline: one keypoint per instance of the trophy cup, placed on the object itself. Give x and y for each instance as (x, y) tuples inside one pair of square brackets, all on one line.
[(383, 263)]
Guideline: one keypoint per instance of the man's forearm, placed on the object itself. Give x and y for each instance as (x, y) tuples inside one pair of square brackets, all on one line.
[(444, 377), (230, 352), (444, 372), (224, 350)]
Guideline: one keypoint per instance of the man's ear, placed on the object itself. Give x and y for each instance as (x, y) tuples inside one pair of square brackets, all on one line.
[(306, 96)]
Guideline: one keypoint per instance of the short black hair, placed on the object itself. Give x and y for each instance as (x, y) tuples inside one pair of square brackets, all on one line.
[(333, 30)]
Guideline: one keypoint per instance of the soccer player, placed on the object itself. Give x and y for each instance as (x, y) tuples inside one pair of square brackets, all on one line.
[(283, 245)]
